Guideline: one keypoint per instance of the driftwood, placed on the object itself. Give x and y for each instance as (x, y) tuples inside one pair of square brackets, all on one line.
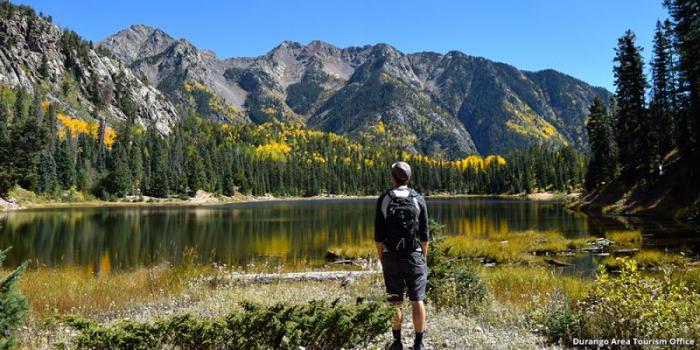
[(346, 276)]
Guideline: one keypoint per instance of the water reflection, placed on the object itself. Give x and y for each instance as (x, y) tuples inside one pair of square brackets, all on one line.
[(105, 239)]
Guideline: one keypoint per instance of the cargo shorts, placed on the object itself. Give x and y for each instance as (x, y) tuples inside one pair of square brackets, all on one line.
[(405, 274)]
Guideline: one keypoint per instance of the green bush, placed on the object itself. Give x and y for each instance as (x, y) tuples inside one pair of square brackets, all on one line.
[(634, 305), (314, 325), (13, 305), (560, 321)]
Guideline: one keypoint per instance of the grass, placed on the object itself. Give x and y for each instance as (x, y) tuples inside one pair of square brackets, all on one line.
[(646, 259), (78, 291), (502, 248), (496, 327), (365, 250), (518, 285), (625, 238), (512, 248)]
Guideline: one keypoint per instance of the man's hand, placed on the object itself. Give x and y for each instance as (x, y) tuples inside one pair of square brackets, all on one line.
[(380, 249), (424, 249)]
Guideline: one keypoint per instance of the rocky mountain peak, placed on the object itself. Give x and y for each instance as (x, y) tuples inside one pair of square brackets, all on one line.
[(137, 41)]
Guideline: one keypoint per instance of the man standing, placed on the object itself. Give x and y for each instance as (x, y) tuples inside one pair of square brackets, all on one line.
[(401, 237)]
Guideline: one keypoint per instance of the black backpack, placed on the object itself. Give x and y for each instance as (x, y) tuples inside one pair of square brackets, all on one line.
[(402, 224)]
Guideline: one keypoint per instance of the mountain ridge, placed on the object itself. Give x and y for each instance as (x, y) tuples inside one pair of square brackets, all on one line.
[(447, 105)]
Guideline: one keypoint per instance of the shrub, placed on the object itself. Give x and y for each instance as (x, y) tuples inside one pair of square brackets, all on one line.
[(13, 305), (461, 287), (558, 318), (314, 325), (633, 305)]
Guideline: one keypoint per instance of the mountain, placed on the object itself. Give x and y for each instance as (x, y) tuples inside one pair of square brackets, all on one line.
[(446, 105), (86, 82)]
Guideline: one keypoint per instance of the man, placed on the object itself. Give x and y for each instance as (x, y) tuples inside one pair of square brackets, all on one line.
[(401, 237)]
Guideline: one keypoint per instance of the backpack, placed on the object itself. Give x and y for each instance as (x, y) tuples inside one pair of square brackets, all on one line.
[(402, 224)]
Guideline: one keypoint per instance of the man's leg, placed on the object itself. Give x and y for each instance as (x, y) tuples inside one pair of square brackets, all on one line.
[(398, 317), (418, 309), (416, 283), (395, 287)]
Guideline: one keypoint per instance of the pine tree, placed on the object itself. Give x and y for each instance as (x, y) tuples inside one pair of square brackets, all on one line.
[(603, 162), (28, 139), (44, 67), (118, 180), (686, 18), (7, 176), (48, 180), (662, 93), (631, 115), (65, 163), (13, 305)]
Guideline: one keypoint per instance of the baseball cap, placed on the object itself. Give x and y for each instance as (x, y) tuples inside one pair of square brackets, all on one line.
[(401, 171)]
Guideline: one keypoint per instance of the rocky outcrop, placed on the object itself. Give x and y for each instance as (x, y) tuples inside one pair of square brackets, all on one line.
[(87, 83)]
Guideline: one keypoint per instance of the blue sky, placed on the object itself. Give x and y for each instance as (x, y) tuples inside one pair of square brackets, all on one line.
[(572, 36)]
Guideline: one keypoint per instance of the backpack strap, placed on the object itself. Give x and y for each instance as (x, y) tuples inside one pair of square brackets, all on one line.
[(391, 194)]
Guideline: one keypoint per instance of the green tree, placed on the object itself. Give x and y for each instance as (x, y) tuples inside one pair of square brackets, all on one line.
[(118, 180), (602, 165), (662, 93), (48, 180), (13, 305), (631, 115), (686, 19), (65, 163)]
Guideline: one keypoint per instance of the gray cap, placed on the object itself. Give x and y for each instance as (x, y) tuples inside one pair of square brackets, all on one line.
[(401, 171)]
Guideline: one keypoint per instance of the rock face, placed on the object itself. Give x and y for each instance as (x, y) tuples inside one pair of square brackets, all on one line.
[(446, 105), (87, 83)]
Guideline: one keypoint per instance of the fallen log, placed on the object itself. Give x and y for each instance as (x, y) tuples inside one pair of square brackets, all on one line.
[(294, 276)]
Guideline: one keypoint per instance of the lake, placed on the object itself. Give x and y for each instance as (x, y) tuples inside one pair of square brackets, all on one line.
[(286, 232)]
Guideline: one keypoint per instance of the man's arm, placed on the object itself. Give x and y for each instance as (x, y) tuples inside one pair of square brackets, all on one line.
[(379, 227), (423, 234)]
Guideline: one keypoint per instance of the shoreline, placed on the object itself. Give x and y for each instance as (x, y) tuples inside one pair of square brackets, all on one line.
[(207, 199)]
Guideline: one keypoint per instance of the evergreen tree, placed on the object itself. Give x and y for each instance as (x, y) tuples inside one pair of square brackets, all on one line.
[(28, 139), (44, 67), (602, 165), (686, 18), (7, 176), (631, 131), (48, 180), (118, 180), (662, 93), (65, 163), (13, 305)]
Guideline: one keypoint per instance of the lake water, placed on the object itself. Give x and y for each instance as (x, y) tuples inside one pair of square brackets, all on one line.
[(106, 239)]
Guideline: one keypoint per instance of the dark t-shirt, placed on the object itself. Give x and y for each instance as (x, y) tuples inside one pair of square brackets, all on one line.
[(380, 224)]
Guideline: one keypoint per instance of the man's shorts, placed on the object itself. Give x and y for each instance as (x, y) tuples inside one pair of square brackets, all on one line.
[(405, 273)]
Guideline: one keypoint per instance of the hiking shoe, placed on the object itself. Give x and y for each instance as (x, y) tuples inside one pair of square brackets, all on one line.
[(396, 345), (418, 346)]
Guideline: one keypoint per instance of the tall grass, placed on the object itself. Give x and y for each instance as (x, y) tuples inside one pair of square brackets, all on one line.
[(78, 291)]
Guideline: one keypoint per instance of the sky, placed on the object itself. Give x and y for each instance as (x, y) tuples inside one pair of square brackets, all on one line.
[(573, 36)]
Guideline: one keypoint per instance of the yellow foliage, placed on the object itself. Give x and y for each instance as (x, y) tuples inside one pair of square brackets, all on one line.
[(78, 126), (269, 110), (500, 161), (275, 151), (216, 102)]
